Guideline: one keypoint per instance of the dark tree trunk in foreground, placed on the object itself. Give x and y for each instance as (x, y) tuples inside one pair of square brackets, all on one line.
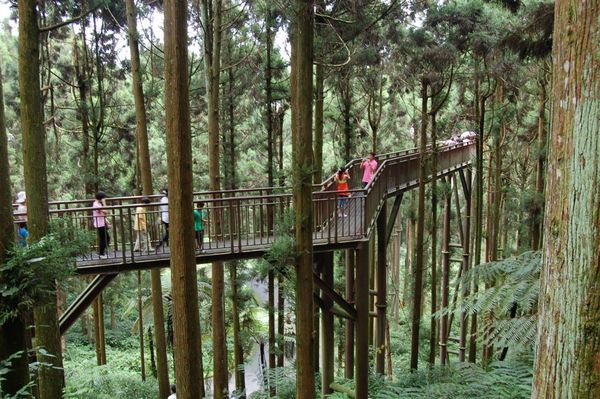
[(51, 379), (186, 323), (302, 41), (146, 177), (568, 340), (12, 332), (419, 246)]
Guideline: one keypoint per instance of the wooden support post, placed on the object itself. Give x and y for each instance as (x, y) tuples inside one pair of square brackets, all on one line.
[(349, 348), (381, 291), (445, 279), (327, 336), (466, 183), (362, 321)]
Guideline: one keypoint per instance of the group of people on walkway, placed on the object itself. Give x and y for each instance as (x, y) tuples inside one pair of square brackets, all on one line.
[(342, 178), (143, 242)]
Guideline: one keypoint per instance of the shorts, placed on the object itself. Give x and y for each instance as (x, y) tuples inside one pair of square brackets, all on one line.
[(200, 235)]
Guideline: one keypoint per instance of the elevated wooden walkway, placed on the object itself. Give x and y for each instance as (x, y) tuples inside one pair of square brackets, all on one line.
[(248, 219)]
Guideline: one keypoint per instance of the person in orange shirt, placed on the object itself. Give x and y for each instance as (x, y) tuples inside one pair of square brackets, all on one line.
[(341, 179)]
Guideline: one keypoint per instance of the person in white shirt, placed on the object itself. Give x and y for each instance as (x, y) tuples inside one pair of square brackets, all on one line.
[(173, 392), (164, 215)]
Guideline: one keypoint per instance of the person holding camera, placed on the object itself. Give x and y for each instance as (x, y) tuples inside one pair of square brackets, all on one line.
[(341, 179)]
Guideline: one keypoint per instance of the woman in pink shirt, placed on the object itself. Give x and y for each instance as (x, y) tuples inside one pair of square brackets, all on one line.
[(369, 167), (99, 219)]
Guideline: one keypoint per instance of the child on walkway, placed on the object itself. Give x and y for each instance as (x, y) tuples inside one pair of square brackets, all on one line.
[(142, 238), (341, 178), (200, 219)]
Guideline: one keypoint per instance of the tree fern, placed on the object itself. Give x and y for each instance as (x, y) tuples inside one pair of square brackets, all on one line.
[(503, 285)]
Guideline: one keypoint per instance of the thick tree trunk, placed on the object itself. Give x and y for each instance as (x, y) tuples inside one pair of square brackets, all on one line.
[(568, 340), (419, 246), (186, 323), (147, 189), (12, 331), (50, 378), (302, 42)]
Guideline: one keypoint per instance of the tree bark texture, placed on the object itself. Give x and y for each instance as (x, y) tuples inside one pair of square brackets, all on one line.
[(147, 189), (211, 17), (419, 245), (50, 379), (302, 41), (186, 324), (568, 343), (12, 332)]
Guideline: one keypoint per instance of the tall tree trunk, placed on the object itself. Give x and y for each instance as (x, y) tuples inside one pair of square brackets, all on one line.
[(568, 341), (319, 110), (147, 189), (186, 323), (419, 247), (347, 113), (211, 17), (51, 379), (536, 225), (270, 183), (230, 184), (302, 43), (433, 336), (141, 326), (12, 331)]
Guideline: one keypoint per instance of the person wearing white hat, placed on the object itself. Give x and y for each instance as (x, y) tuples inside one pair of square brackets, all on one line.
[(21, 217)]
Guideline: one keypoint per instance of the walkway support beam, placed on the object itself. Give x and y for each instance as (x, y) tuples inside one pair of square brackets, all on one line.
[(392, 217), (445, 286), (327, 336), (349, 344), (466, 185), (362, 321), (381, 305)]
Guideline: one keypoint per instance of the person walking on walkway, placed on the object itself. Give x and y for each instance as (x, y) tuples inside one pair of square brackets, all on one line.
[(100, 223), (164, 216), (200, 219), (21, 218), (341, 179), (369, 167), (140, 225)]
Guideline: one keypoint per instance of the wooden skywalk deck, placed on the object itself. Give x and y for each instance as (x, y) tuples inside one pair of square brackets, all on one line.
[(243, 223)]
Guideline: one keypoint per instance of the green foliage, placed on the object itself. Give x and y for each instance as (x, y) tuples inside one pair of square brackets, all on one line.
[(462, 380), (30, 273), (513, 285), (5, 368), (119, 379)]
